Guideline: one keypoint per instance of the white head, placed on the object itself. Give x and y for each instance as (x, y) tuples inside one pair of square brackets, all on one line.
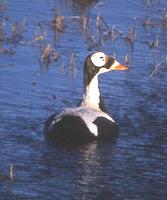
[(95, 64), (99, 62)]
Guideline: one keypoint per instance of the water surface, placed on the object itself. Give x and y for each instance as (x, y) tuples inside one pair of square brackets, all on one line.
[(132, 167)]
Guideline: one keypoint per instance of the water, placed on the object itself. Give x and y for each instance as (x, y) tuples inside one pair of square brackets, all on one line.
[(132, 167)]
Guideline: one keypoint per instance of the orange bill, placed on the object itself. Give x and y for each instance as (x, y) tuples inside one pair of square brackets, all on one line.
[(119, 67)]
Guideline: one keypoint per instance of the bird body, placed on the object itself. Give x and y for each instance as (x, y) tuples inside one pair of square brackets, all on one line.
[(89, 121)]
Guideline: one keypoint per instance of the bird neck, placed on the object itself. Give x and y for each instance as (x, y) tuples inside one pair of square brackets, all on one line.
[(91, 97)]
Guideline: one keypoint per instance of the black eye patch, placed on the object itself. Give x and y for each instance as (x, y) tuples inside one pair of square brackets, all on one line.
[(109, 62)]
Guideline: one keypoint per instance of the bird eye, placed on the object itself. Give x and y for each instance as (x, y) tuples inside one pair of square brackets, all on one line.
[(98, 59)]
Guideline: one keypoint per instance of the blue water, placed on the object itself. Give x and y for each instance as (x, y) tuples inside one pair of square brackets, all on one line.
[(132, 167)]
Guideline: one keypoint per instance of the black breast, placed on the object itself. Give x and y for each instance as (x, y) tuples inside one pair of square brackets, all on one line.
[(106, 128), (70, 129)]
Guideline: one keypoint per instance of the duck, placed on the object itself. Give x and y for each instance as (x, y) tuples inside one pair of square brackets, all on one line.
[(89, 120)]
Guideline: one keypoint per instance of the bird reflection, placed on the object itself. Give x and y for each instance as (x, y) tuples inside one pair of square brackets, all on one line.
[(90, 164), (94, 164)]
